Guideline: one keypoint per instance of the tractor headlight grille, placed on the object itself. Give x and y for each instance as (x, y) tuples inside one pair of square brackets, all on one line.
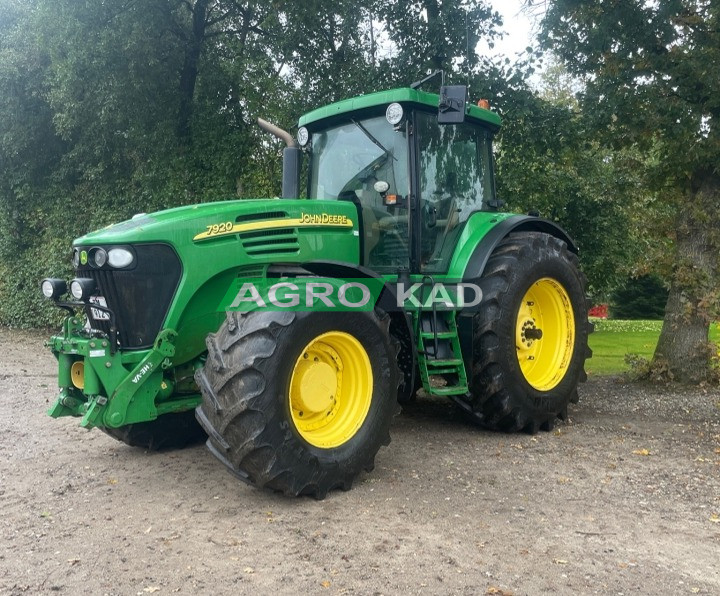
[(140, 295)]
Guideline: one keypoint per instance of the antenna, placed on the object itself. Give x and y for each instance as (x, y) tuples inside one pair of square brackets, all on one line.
[(372, 37), (467, 47)]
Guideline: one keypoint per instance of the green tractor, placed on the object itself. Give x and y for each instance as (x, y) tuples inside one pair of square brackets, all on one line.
[(172, 336)]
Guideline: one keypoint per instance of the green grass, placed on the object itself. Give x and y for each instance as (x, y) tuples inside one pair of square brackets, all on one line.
[(612, 340)]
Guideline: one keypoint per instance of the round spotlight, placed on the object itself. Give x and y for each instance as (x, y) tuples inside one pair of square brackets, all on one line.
[(381, 186), (394, 113), (47, 289), (120, 258), (99, 257), (53, 288), (303, 136), (76, 289), (82, 288)]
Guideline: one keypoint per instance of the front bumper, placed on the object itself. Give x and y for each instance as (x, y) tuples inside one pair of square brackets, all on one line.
[(112, 388)]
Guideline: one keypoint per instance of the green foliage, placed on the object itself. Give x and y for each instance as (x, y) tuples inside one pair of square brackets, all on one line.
[(650, 87), (547, 163), (643, 297), (432, 34), (112, 108)]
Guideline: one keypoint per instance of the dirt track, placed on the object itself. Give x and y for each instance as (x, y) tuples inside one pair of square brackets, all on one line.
[(625, 498)]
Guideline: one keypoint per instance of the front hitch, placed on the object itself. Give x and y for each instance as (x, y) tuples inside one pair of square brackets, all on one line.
[(112, 388)]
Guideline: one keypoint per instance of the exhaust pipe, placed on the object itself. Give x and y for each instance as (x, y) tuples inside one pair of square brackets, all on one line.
[(292, 156)]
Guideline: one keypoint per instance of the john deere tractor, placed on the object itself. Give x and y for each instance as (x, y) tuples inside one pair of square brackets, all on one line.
[(236, 321)]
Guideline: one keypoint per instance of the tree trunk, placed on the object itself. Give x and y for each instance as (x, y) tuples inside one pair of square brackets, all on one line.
[(684, 349), (188, 75)]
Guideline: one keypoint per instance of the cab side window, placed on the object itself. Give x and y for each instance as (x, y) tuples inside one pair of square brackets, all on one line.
[(455, 181)]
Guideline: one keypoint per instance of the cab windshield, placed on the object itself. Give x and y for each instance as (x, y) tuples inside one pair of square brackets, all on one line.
[(348, 157), (347, 161)]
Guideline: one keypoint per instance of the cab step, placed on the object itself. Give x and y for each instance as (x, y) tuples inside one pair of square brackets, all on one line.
[(444, 362), (453, 390), (439, 335), (439, 353)]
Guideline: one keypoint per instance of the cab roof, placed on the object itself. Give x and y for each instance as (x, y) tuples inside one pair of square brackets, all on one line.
[(404, 95)]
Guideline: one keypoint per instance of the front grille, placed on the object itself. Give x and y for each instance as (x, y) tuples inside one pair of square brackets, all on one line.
[(139, 296)]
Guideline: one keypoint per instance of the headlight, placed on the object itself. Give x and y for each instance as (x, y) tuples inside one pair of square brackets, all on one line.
[(394, 113), (100, 257), (120, 257), (303, 136), (76, 258), (82, 288), (53, 288)]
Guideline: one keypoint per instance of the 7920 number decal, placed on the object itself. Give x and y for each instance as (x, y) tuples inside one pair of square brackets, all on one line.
[(220, 228)]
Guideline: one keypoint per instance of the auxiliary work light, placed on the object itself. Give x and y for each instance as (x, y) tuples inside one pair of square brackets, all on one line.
[(82, 288), (394, 113), (52, 288), (303, 136)]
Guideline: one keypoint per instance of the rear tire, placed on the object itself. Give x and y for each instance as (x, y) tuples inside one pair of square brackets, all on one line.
[(264, 368), (530, 336), (409, 374), (169, 431)]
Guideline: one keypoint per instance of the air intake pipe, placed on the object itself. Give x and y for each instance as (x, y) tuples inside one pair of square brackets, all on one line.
[(291, 160)]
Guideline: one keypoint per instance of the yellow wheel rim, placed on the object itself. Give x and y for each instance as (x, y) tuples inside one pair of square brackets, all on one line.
[(545, 334), (331, 389)]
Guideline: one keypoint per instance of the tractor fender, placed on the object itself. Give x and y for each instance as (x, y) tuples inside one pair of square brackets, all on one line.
[(401, 327), (516, 223), (342, 270)]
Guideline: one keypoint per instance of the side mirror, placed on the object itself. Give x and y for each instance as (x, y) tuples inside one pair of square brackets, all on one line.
[(451, 107)]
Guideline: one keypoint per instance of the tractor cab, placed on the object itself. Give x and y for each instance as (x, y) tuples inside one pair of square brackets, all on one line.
[(414, 172)]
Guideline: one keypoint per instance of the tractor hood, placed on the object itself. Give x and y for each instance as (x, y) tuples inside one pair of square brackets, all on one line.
[(180, 222), (261, 228), (181, 262)]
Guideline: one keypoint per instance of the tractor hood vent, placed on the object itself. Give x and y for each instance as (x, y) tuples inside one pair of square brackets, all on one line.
[(260, 216), (265, 242)]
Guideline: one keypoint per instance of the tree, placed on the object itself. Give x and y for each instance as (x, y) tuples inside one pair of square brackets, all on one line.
[(115, 107), (643, 297), (650, 84), (547, 163), (432, 35)]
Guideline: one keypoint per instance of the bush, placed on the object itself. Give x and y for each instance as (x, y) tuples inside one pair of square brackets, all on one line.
[(641, 298)]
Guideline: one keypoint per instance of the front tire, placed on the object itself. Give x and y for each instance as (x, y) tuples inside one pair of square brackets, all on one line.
[(169, 431), (530, 337), (299, 402)]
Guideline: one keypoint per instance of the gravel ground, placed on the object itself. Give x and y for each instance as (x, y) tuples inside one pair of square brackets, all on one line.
[(624, 498)]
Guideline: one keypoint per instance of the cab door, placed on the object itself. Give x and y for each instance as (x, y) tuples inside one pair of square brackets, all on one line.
[(453, 180)]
